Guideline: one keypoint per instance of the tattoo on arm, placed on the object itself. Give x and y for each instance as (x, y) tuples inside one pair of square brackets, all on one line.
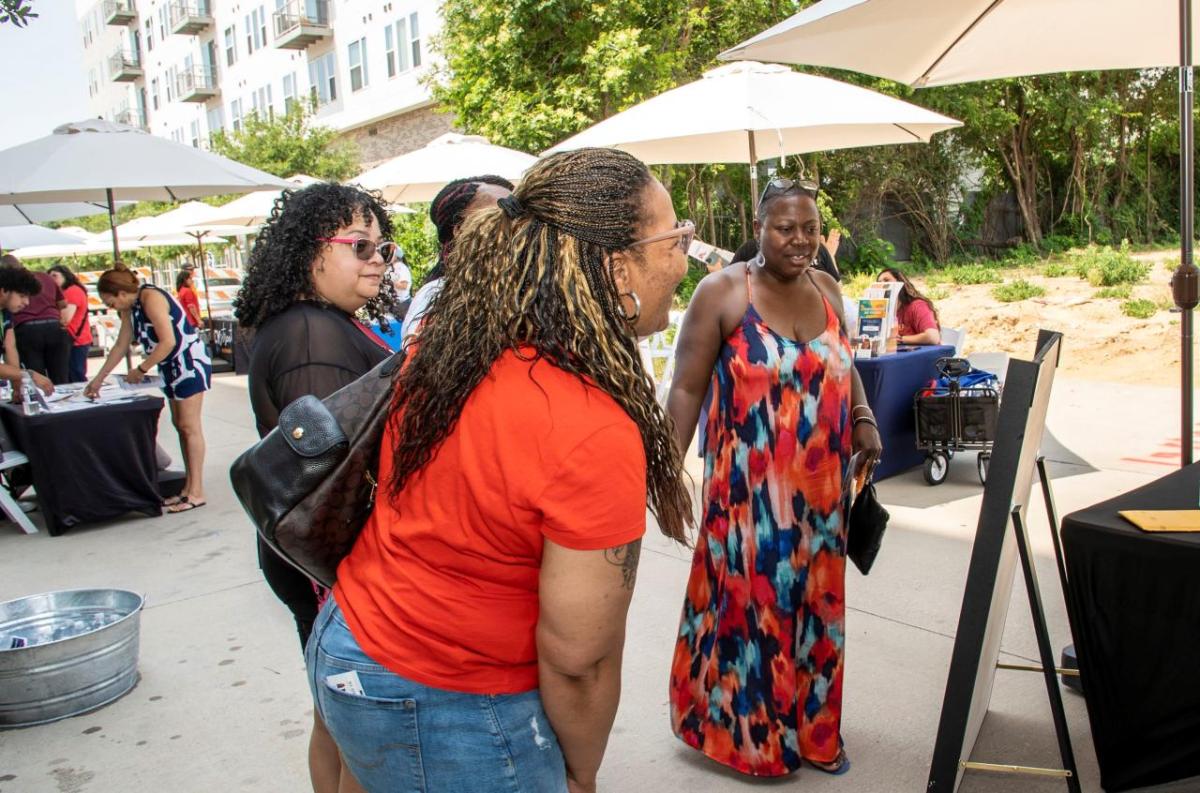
[(626, 557)]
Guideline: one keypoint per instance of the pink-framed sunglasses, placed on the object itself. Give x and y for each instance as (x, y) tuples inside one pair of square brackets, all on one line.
[(364, 249), (684, 229)]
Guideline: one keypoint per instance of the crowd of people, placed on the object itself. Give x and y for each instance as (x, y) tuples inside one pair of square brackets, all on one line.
[(481, 613)]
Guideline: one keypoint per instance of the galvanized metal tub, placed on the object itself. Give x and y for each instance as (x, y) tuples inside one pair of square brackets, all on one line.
[(80, 652)]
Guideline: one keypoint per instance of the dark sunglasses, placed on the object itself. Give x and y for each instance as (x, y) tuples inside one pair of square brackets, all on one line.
[(780, 185), (364, 249)]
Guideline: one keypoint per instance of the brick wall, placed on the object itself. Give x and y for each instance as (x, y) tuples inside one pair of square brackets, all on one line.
[(394, 136)]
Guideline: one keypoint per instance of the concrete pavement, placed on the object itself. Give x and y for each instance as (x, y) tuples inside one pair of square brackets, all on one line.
[(223, 705)]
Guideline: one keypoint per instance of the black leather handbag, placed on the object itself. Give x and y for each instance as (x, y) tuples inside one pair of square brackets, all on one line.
[(866, 524), (309, 485)]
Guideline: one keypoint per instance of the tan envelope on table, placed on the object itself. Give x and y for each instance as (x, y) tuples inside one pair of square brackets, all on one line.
[(1163, 519)]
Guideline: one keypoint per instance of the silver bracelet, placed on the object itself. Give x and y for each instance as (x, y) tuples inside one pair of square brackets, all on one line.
[(866, 419)]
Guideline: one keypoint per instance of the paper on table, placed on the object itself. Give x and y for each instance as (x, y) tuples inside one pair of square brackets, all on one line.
[(1182, 520), (150, 381)]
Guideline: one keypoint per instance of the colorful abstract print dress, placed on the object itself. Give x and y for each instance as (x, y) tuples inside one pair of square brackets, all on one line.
[(756, 681)]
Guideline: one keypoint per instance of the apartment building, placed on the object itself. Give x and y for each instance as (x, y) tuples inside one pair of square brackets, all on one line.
[(183, 69)]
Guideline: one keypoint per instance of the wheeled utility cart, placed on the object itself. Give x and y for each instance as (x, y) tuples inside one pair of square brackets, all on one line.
[(956, 413)]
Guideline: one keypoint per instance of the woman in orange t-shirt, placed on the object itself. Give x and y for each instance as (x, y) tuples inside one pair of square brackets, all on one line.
[(474, 638), (185, 290)]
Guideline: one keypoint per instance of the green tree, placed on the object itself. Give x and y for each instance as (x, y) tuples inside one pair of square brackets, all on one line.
[(289, 144), (16, 12)]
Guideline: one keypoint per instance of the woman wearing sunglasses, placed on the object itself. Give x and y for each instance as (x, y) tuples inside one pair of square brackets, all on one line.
[(320, 261), (756, 682)]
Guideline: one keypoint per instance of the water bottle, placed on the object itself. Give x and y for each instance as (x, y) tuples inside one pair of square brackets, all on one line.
[(5, 392), (29, 404)]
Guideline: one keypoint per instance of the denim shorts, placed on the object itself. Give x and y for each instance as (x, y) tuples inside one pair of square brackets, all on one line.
[(399, 736)]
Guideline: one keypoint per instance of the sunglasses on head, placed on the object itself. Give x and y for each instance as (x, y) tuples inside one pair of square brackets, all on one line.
[(365, 249), (684, 229), (780, 185)]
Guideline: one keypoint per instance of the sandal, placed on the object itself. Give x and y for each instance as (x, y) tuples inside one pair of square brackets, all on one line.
[(172, 501), (185, 504), (836, 767)]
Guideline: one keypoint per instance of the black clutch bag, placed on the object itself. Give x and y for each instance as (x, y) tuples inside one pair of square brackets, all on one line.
[(865, 527)]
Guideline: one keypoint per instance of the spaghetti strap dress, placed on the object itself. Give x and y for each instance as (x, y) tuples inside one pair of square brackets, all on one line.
[(756, 678), (187, 371)]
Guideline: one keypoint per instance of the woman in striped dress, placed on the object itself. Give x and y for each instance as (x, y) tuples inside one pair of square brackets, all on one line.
[(154, 319)]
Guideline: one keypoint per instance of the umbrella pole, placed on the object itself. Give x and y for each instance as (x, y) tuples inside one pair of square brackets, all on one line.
[(1185, 284), (112, 225), (207, 296), (753, 175)]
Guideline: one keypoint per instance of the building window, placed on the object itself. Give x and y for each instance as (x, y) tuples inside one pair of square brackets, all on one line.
[(216, 120), (154, 93), (256, 30), (289, 91), (248, 24), (171, 83), (322, 75), (358, 64), (262, 27), (235, 115), (406, 53), (230, 46), (262, 103), (162, 22), (414, 40), (389, 50), (149, 35), (195, 134)]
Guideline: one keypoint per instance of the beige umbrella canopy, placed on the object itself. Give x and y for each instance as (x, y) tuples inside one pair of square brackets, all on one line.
[(419, 175)]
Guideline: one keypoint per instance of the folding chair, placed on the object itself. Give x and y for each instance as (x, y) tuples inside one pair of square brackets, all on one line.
[(9, 459)]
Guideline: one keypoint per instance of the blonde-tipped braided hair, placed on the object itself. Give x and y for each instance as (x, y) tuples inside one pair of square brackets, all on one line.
[(536, 273)]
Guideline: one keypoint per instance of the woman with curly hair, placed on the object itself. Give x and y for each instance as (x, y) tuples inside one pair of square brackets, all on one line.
[(318, 262), (474, 638)]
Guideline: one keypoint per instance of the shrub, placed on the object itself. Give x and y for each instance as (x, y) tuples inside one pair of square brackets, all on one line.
[(1059, 269), (1139, 308), (1121, 292), (1103, 266), (1057, 243), (873, 254), (937, 292), (1013, 291), (973, 274)]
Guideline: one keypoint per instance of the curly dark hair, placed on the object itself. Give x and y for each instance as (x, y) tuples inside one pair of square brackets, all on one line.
[(279, 272), (541, 279), (19, 280), (69, 278), (447, 210)]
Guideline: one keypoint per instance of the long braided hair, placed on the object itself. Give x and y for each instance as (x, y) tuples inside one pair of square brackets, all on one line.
[(447, 210), (533, 271)]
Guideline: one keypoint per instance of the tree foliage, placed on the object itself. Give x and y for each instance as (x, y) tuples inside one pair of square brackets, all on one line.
[(16, 12), (288, 144)]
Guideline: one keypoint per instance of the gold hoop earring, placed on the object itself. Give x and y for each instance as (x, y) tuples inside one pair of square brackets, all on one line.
[(637, 307)]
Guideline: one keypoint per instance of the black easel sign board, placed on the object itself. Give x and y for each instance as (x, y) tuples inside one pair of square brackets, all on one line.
[(994, 559)]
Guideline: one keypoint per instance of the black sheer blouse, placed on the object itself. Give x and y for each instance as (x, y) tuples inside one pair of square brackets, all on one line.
[(311, 348)]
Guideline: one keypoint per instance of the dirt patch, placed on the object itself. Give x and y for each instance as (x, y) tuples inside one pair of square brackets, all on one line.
[(1100, 342)]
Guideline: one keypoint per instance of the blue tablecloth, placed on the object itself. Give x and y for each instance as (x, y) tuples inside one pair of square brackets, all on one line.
[(891, 382)]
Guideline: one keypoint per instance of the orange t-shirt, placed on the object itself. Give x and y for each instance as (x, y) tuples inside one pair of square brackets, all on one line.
[(442, 585)]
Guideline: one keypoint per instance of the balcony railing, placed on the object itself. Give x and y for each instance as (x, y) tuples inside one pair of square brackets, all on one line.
[(119, 12), (133, 118), (124, 67), (190, 18), (302, 23), (196, 85)]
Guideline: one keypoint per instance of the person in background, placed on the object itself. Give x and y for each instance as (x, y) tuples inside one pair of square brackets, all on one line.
[(482, 610), (450, 207), (17, 285), (320, 260), (916, 317), (756, 680), (79, 324), (40, 328), (150, 316), (185, 292)]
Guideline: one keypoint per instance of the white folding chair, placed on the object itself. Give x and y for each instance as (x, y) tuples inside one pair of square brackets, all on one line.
[(8, 460), (661, 347), (955, 337)]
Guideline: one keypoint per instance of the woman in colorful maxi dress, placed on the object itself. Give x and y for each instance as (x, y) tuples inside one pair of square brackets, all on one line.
[(756, 681)]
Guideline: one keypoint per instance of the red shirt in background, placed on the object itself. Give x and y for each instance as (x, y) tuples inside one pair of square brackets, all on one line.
[(45, 304), (79, 327), (442, 585), (191, 305), (916, 317)]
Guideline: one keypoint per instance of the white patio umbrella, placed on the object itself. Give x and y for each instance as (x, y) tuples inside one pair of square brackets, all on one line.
[(748, 111), (102, 162), (253, 209), (926, 44), (29, 234), (419, 175), (24, 214)]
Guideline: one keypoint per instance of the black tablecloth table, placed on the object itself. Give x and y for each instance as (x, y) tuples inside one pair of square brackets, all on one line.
[(891, 381), (92, 464), (1136, 604)]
